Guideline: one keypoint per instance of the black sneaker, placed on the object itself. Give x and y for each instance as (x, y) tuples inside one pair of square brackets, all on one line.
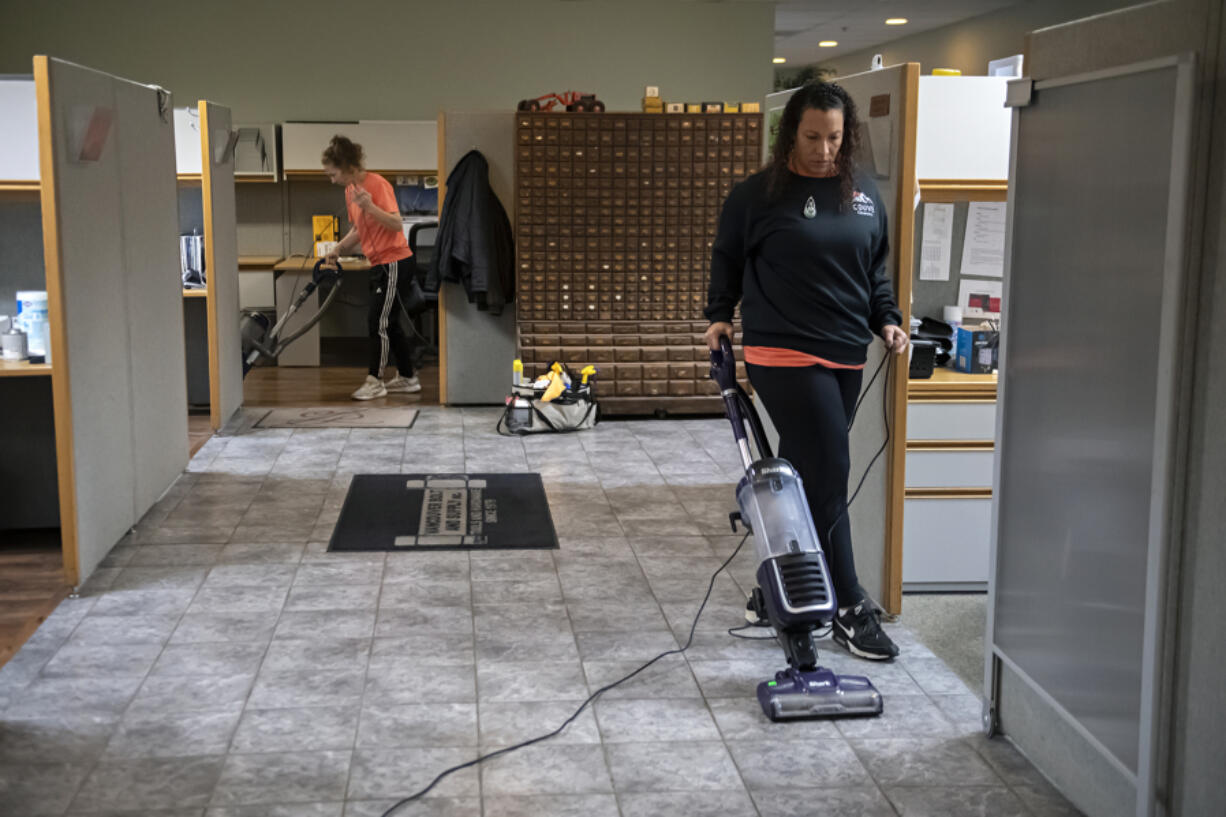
[(859, 631)]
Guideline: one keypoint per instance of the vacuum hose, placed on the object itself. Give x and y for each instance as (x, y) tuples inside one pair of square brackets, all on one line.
[(318, 276)]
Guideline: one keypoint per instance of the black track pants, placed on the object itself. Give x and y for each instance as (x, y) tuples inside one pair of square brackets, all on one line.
[(385, 321), (810, 407)]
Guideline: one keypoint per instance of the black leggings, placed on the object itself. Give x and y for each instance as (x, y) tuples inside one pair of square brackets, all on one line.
[(385, 320), (809, 407)]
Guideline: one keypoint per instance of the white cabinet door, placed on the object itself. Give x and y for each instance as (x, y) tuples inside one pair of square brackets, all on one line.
[(963, 128), (969, 420), (950, 469), (256, 289), (18, 131), (187, 141), (945, 542)]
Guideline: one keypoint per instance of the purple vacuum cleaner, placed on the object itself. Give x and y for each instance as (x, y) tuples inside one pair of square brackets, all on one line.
[(794, 593)]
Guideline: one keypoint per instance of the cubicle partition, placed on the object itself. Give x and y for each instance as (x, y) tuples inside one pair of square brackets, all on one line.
[(476, 348), (108, 205), (217, 143), (1078, 618), (887, 103)]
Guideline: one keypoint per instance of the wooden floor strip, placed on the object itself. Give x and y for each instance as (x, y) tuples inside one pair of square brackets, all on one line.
[(31, 585)]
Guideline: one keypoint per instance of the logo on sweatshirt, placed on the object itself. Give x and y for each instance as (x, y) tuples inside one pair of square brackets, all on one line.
[(810, 208), (862, 204)]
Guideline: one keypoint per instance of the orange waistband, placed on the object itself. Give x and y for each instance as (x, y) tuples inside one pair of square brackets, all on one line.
[(774, 356)]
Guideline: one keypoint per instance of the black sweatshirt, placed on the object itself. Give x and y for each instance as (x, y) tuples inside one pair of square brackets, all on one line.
[(810, 276)]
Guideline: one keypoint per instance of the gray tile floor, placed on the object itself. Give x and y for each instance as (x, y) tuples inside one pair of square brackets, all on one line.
[(220, 662)]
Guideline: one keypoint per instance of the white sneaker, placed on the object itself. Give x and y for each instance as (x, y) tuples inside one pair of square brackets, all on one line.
[(403, 385), (372, 388)]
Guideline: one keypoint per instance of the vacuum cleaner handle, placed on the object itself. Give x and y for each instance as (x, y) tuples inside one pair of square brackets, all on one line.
[(737, 404), (723, 372)]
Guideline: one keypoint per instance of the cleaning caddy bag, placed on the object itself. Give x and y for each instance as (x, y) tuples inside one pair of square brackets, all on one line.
[(554, 403)]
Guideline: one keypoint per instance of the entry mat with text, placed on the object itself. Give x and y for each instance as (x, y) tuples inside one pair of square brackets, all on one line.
[(444, 512)]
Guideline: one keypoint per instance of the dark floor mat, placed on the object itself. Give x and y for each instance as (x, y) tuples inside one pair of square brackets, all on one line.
[(445, 512)]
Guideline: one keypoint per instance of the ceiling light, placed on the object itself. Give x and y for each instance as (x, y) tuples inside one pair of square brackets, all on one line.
[(779, 60), (896, 21), (828, 43)]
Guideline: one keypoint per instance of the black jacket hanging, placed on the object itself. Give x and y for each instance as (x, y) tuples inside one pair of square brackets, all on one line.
[(475, 245)]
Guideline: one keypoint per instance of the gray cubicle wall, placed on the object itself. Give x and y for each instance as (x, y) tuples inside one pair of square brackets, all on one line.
[(1086, 426), (154, 308), (120, 369), (479, 347)]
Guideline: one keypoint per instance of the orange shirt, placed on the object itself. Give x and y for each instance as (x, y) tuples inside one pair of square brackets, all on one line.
[(379, 244), (775, 356)]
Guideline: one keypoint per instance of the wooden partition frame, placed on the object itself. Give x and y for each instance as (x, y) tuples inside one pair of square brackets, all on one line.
[(61, 386), (221, 261), (441, 330)]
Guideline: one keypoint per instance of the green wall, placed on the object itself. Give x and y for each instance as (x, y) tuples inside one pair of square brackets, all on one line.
[(403, 59)]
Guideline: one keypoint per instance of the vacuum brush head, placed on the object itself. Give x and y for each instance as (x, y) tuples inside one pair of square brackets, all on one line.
[(819, 693)]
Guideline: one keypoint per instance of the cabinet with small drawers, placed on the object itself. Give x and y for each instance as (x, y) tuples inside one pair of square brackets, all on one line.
[(614, 221)]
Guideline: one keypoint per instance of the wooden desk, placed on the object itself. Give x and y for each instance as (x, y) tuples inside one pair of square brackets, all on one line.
[(946, 384), (301, 263), (258, 262), (23, 368)]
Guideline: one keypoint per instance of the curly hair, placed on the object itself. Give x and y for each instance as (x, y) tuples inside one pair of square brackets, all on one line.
[(344, 153), (822, 96)]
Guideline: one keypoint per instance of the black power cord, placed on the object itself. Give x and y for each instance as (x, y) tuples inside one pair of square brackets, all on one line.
[(688, 642), (887, 362)]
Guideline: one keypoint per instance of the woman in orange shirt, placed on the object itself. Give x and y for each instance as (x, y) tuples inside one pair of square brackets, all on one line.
[(375, 216)]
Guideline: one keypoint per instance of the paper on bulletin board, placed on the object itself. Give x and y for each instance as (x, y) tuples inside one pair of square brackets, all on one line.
[(983, 251), (980, 298), (937, 240)]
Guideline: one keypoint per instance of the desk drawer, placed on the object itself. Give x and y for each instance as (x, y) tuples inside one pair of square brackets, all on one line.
[(969, 420), (256, 290), (946, 541), (944, 468)]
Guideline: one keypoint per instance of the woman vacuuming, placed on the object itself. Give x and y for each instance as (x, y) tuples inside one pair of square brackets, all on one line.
[(802, 245), (375, 216)]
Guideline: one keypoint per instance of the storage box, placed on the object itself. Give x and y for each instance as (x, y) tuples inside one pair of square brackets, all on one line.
[(976, 351)]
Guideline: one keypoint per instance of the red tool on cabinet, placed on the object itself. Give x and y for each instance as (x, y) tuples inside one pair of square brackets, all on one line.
[(572, 101)]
